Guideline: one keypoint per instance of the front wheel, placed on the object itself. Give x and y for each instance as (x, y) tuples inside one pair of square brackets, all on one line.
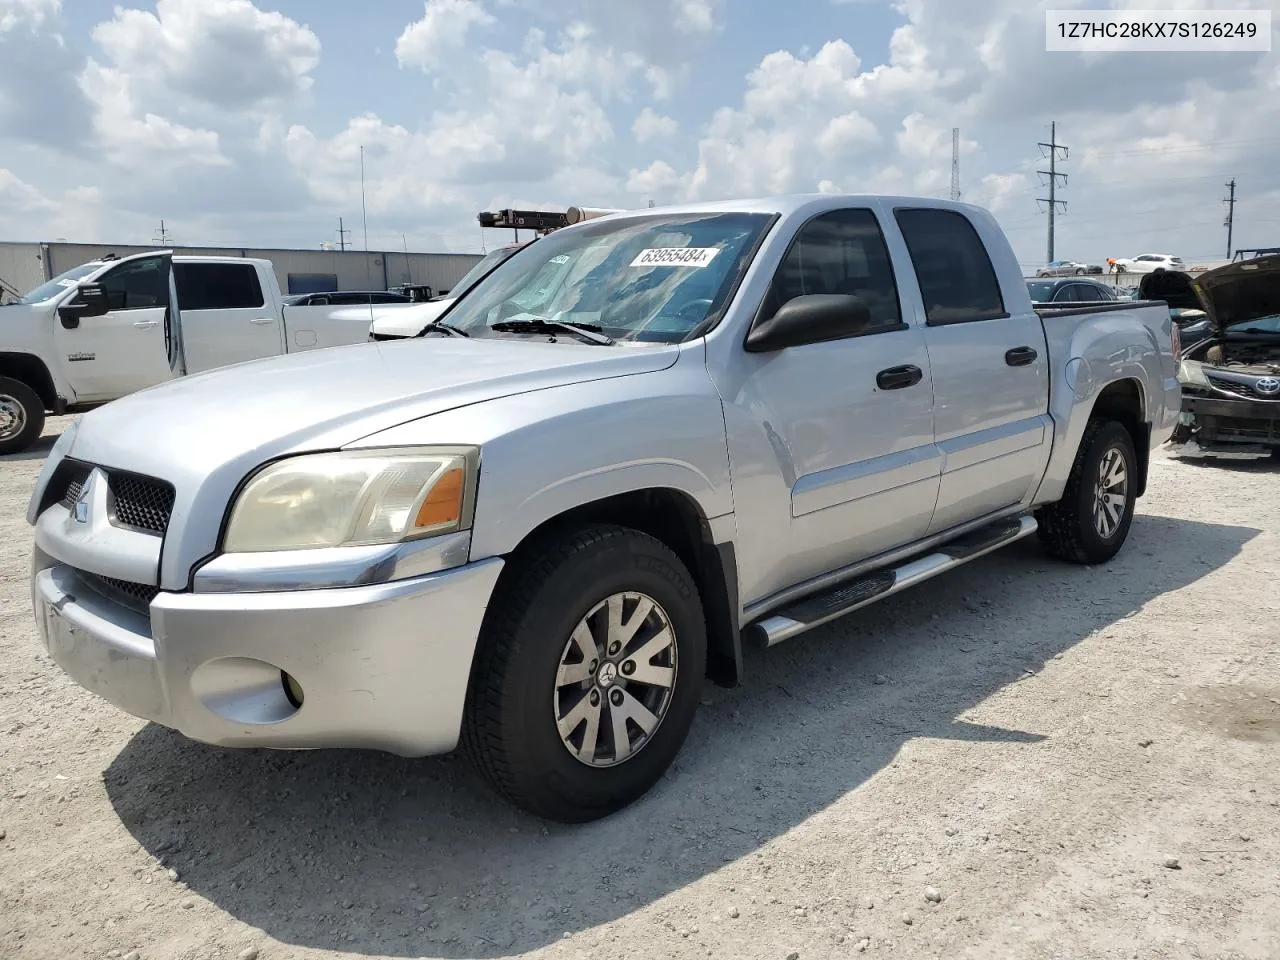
[(1091, 521), (21, 416), (587, 675), (1079, 271)]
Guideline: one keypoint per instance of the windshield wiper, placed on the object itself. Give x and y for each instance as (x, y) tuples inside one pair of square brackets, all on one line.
[(443, 328), (1258, 330), (588, 332)]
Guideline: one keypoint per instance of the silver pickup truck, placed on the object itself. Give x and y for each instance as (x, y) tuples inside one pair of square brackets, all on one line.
[(537, 528)]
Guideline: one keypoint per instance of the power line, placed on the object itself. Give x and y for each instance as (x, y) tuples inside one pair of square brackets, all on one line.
[(1053, 176), (1231, 213)]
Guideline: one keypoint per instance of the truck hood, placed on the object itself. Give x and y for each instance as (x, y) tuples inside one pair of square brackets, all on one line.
[(409, 320), (1240, 292), (324, 399)]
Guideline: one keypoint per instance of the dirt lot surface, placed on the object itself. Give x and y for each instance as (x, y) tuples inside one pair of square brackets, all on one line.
[(1071, 762)]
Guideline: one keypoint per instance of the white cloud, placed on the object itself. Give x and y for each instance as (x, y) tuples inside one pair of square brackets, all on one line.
[(226, 53), (140, 140), (27, 13), (656, 181), (443, 28), (650, 125)]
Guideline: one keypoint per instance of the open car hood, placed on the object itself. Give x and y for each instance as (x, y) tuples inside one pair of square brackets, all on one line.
[(1172, 286), (1240, 292)]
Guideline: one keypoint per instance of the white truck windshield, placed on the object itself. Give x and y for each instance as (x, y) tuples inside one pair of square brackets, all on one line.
[(51, 288)]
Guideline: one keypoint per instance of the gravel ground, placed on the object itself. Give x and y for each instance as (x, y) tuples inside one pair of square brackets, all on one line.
[(1021, 759)]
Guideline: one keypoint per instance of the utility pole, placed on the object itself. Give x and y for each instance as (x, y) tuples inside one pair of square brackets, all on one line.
[(1231, 213), (342, 235), (364, 210), (1053, 175), (162, 236), (955, 163)]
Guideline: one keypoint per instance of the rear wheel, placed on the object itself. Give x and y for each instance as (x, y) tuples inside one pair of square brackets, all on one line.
[(1091, 521), (587, 676), (21, 416)]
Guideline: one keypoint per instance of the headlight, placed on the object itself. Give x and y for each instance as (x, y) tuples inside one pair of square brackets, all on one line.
[(353, 498), (1190, 373)]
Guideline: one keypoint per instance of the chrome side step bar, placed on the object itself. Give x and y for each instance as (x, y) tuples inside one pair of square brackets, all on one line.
[(817, 609)]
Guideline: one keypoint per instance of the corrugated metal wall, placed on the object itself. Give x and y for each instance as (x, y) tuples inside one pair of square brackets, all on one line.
[(22, 267)]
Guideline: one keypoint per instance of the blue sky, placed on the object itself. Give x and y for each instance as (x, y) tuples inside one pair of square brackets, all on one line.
[(240, 121)]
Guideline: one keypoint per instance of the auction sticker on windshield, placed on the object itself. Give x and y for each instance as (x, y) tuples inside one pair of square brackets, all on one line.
[(676, 257)]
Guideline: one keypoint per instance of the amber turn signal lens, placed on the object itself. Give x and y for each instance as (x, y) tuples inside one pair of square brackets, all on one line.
[(443, 505)]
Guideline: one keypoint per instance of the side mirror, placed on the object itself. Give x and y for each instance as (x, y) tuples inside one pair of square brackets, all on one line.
[(90, 301), (812, 318)]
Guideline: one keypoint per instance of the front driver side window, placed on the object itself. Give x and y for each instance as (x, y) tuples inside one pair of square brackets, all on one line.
[(137, 285), (841, 252)]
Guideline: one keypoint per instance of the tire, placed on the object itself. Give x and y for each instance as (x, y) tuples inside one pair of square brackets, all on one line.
[(21, 416), (1069, 528), (520, 698), (1079, 271)]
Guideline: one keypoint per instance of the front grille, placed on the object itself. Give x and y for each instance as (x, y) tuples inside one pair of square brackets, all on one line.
[(1240, 430), (141, 501), (135, 596), (68, 482), (1240, 388)]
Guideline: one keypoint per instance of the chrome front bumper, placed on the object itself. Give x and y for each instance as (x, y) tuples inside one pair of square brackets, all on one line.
[(382, 666)]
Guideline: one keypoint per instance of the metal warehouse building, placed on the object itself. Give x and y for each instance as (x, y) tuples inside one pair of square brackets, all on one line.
[(24, 266)]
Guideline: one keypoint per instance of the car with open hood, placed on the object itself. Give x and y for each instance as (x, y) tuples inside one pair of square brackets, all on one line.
[(1231, 378)]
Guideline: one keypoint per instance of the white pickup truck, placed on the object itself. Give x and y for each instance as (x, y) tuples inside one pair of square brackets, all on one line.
[(108, 328), (538, 528)]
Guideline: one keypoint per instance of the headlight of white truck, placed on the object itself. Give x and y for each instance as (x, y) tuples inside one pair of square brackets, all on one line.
[(353, 498)]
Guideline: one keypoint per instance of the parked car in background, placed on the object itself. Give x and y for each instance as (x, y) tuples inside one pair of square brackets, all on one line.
[(540, 530), (111, 327), (1231, 377), (410, 323), (1068, 268), (1069, 291), (345, 298), (1145, 263)]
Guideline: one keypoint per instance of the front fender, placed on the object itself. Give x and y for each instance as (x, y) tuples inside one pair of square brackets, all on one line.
[(545, 453)]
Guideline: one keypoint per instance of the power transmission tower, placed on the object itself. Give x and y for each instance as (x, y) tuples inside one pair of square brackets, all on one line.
[(955, 163), (1053, 175), (162, 236), (342, 235), (1231, 213)]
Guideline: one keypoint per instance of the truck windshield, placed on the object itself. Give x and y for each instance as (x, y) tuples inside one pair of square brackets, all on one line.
[(647, 278), (51, 288), (481, 267)]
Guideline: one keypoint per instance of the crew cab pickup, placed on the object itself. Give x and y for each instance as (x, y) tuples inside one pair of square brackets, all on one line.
[(538, 528), (107, 328)]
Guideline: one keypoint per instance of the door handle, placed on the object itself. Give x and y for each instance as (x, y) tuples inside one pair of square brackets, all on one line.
[(1020, 356), (263, 320), (895, 378), (146, 324)]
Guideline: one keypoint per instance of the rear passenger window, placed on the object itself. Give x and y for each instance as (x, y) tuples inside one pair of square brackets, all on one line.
[(217, 286), (957, 281), (840, 252)]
